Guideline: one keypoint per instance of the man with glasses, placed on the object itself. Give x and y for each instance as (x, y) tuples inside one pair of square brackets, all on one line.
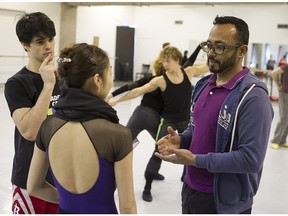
[(30, 94), (218, 49), (229, 128)]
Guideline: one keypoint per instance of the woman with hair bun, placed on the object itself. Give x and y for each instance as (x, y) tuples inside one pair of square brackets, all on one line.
[(89, 152)]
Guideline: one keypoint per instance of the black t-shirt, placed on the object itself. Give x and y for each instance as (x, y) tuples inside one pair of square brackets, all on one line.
[(23, 90)]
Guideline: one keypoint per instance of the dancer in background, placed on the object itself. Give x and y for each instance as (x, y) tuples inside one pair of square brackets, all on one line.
[(176, 89), (147, 115), (280, 77), (282, 61), (184, 58)]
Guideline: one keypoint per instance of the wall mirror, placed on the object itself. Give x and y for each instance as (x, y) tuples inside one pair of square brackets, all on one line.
[(262, 52)]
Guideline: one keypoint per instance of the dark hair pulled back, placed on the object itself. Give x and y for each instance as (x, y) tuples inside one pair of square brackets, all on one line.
[(86, 61)]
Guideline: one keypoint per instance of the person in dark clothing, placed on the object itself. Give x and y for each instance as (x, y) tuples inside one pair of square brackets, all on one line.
[(184, 58), (147, 115), (176, 90), (190, 61), (31, 95), (270, 63)]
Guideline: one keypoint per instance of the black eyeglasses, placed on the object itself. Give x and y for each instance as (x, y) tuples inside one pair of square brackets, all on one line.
[(218, 48)]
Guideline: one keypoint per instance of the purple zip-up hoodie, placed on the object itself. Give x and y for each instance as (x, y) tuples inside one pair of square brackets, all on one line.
[(237, 162)]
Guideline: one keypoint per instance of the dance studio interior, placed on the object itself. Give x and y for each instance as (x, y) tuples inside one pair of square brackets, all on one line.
[(139, 29)]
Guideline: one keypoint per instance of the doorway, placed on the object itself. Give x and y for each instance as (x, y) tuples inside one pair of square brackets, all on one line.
[(124, 53)]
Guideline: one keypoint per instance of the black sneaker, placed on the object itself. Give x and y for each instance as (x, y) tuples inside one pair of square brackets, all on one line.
[(158, 177), (146, 195)]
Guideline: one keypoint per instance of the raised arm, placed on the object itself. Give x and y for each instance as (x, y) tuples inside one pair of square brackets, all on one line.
[(22, 116), (196, 70), (128, 87), (149, 87), (274, 75), (190, 61), (121, 90)]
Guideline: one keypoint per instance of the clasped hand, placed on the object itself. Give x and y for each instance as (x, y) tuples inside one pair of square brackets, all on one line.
[(168, 147)]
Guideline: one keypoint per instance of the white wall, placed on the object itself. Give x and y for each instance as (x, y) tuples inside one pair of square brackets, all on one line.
[(103, 22), (154, 25), (9, 43), (51, 9)]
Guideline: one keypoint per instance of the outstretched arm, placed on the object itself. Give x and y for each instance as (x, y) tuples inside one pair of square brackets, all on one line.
[(190, 61), (151, 86), (274, 75), (196, 70), (121, 90), (128, 87)]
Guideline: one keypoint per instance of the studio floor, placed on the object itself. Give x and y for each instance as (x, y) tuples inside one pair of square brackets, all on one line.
[(270, 199)]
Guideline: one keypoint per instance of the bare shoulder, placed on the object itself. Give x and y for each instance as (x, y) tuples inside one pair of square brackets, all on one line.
[(158, 81)]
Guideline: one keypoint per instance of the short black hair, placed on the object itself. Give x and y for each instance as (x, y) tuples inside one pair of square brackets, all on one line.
[(34, 24), (241, 27)]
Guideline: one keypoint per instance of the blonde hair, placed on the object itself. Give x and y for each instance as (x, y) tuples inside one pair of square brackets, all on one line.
[(158, 67), (171, 52)]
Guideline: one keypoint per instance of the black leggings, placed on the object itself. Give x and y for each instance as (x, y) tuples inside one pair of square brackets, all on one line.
[(154, 163)]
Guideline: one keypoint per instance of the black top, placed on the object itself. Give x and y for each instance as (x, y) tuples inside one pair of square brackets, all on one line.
[(177, 99), (23, 90), (190, 61)]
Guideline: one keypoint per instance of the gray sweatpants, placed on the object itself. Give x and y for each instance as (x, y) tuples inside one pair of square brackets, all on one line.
[(281, 130)]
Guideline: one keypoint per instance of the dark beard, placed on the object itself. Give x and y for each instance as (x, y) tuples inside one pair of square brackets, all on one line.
[(223, 66)]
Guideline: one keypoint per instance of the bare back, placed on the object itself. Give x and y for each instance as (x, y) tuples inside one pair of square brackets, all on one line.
[(74, 162), (82, 157)]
